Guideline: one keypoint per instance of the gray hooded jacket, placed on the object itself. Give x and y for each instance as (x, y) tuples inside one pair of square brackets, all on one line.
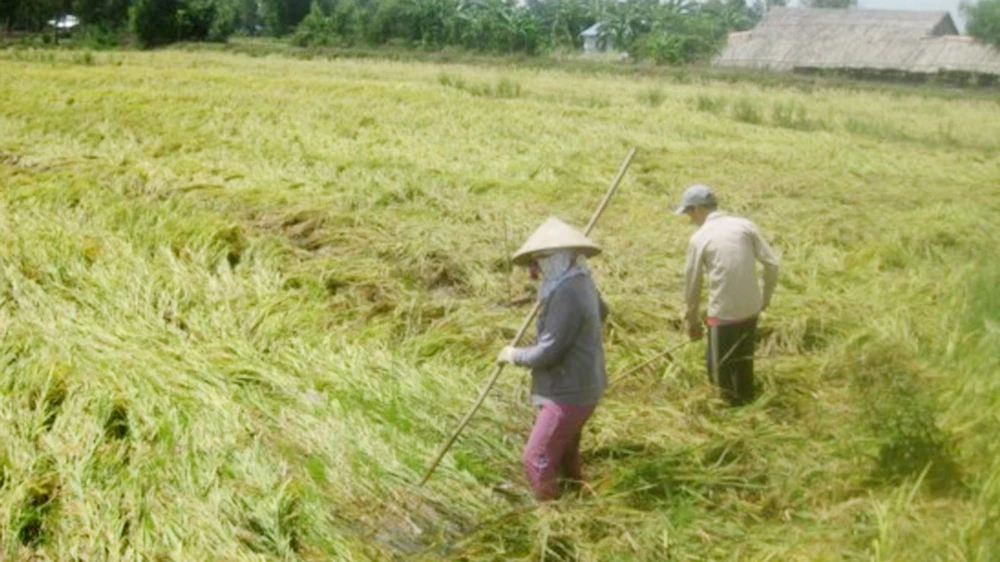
[(567, 359)]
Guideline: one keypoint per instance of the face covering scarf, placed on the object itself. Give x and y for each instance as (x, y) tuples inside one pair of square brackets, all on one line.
[(557, 268)]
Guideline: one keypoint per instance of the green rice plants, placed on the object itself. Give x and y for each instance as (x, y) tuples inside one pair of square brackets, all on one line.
[(911, 441), (32, 518), (746, 110), (791, 116), (652, 97), (877, 129), (711, 104), (85, 58), (452, 81), (596, 102), (946, 134), (507, 88), (902, 417)]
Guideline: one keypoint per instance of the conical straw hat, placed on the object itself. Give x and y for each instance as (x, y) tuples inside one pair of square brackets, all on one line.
[(554, 234)]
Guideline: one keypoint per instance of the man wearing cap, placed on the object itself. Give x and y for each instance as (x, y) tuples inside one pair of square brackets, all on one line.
[(567, 360), (725, 248)]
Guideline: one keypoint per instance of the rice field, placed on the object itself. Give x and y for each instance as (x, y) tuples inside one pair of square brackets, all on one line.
[(243, 301)]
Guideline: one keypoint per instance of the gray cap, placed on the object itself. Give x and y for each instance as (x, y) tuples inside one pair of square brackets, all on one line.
[(697, 195)]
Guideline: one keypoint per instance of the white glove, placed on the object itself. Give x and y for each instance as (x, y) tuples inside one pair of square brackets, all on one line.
[(506, 355)]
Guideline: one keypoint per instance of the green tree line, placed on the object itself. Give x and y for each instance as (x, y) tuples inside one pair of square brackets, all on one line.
[(983, 20), (667, 31), (674, 31)]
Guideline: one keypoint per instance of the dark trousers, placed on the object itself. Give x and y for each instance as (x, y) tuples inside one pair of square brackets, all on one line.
[(729, 358)]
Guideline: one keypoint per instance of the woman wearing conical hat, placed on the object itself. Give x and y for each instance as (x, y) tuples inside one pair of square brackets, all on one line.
[(567, 359)]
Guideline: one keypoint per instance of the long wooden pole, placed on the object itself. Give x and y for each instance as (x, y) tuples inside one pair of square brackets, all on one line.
[(524, 327), (668, 354)]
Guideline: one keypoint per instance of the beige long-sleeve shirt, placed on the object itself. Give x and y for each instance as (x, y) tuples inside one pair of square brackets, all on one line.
[(725, 249)]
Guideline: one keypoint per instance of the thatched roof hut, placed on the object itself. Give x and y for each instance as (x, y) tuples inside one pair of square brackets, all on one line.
[(801, 38)]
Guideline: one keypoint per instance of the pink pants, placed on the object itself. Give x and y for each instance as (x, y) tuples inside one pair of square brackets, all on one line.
[(554, 447)]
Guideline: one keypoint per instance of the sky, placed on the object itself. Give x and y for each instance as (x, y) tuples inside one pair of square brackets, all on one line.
[(933, 5)]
